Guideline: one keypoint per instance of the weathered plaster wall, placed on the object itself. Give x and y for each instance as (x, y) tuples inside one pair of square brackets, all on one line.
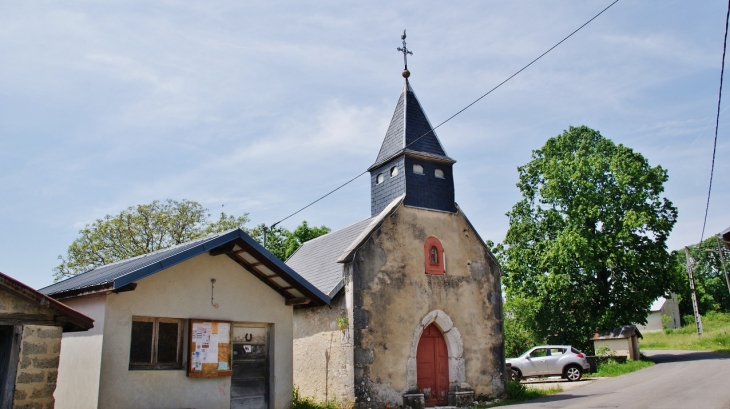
[(393, 299), (184, 291), (620, 346), (36, 373), (323, 366), (80, 363)]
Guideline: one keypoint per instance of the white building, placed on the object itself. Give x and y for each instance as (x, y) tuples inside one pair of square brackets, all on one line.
[(205, 324), (662, 306)]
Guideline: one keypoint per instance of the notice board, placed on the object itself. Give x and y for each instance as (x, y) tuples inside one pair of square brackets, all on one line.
[(209, 348)]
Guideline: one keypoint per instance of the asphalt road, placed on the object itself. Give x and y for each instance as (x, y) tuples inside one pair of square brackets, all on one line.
[(680, 379)]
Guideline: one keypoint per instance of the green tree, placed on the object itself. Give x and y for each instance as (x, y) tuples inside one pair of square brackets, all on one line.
[(276, 239), (140, 230), (520, 317), (711, 287), (587, 241), (302, 234), (283, 243)]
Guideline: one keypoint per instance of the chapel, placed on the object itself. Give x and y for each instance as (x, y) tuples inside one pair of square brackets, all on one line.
[(415, 314)]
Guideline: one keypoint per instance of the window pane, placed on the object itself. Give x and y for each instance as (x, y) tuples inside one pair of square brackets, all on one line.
[(167, 343), (141, 348)]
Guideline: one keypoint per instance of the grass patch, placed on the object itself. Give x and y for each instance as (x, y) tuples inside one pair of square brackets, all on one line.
[(613, 368), (299, 402), (516, 392), (716, 337)]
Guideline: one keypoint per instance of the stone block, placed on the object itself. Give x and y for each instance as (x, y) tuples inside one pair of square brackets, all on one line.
[(30, 348), (49, 332), (52, 377), (45, 391), (20, 394), (25, 362), (45, 363), (29, 405), (461, 398), (414, 401), (29, 377)]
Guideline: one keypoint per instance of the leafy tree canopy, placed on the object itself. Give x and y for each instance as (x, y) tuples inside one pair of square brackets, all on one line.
[(710, 284), (140, 230), (146, 228), (587, 242)]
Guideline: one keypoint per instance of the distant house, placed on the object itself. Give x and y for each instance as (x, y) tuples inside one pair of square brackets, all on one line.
[(205, 324), (30, 343), (725, 237), (662, 306)]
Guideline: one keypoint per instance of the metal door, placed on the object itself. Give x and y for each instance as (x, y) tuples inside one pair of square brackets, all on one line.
[(432, 366), (552, 361), (250, 379), (535, 363)]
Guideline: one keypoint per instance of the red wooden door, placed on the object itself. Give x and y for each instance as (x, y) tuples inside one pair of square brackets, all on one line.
[(432, 366)]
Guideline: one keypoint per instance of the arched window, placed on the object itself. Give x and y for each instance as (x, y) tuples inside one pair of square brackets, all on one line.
[(439, 174), (418, 169), (433, 255), (379, 179), (393, 171)]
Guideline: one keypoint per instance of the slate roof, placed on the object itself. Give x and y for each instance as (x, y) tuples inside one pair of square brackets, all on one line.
[(627, 331), (116, 275), (409, 123), (316, 260)]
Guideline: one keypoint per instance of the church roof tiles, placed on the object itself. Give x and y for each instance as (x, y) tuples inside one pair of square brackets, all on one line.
[(409, 129)]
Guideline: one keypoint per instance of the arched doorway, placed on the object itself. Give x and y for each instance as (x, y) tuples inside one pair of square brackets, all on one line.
[(432, 366)]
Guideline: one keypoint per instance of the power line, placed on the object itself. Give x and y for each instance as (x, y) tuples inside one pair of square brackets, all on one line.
[(717, 124), (461, 110)]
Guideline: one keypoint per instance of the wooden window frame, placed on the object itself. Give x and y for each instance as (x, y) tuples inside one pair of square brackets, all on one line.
[(440, 267), (178, 364)]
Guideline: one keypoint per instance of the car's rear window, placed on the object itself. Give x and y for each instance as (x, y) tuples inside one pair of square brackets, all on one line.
[(575, 351)]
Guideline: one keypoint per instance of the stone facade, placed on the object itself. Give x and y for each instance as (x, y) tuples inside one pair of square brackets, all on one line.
[(389, 300)]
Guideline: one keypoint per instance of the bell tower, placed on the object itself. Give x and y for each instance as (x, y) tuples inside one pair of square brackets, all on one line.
[(411, 160)]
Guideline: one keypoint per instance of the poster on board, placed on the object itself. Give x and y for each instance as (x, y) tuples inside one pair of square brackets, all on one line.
[(209, 348)]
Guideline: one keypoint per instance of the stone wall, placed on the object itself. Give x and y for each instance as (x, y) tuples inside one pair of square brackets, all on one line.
[(35, 379), (323, 367), (40, 347)]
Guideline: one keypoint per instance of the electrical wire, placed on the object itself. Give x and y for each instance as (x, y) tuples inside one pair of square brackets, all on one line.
[(717, 124), (461, 110)]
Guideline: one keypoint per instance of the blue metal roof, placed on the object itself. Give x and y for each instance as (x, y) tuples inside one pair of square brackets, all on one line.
[(116, 275)]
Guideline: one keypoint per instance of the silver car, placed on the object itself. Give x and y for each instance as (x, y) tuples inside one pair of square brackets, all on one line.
[(550, 360)]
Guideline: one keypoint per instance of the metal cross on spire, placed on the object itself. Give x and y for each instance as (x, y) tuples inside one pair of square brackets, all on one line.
[(406, 52)]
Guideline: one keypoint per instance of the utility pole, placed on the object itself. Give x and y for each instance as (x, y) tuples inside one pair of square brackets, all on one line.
[(266, 232), (722, 259), (695, 307)]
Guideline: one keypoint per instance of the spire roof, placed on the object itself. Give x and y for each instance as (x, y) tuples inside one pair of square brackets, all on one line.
[(410, 132)]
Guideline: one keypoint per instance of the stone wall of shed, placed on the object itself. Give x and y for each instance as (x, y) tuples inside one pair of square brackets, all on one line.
[(40, 346), (35, 380), (323, 360), (393, 299)]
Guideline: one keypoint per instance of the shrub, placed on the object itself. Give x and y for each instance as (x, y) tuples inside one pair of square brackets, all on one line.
[(307, 402)]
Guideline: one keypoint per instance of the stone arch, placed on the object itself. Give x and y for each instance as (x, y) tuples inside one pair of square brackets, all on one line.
[(454, 346)]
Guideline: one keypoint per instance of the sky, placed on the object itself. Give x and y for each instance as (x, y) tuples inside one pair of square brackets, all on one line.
[(262, 107)]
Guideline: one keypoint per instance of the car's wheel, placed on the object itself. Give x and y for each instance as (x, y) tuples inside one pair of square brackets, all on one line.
[(516, 375), (573, 373)]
